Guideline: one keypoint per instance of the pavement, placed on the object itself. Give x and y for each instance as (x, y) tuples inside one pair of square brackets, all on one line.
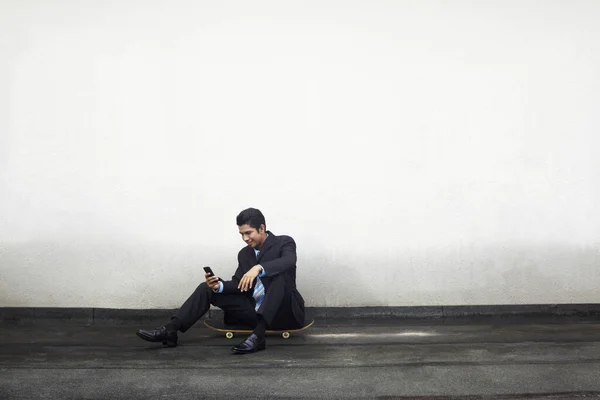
[(499, 358)]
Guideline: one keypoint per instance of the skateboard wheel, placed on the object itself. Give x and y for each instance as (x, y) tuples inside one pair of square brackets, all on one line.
[(285, 335), (229, 335)]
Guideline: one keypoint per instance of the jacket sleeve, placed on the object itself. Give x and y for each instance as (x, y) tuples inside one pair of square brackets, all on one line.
[(232, 285), (286, 260)]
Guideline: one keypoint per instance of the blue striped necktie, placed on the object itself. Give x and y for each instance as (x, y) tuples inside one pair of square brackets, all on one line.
[(259, 292)]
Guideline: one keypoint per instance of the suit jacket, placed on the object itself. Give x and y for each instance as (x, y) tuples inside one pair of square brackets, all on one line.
[(278, 258)]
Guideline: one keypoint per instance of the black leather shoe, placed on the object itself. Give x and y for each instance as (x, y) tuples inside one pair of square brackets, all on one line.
[(250, 345), (168, 338)]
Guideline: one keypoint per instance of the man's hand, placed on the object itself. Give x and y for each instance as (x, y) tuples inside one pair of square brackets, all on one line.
[(212, 281), (249, 277)]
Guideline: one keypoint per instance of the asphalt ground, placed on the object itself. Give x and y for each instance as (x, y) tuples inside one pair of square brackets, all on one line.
[(335, 359)]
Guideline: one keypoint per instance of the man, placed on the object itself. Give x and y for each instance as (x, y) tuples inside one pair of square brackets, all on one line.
[(261, 294)]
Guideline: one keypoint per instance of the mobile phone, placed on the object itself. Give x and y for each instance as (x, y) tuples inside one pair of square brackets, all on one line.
[(209, 271)]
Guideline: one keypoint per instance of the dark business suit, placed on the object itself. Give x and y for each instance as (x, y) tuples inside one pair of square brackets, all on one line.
[(282, 307)]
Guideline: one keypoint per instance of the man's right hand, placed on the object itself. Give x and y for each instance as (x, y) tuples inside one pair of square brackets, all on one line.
[(212, 281)]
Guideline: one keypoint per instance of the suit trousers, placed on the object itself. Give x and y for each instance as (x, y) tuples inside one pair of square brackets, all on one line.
[(239, 307)]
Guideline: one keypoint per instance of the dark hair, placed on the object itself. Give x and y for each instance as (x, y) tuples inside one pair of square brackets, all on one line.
[(252, 217)]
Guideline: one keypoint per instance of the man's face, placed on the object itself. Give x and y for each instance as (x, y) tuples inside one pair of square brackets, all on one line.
[(252, 237)]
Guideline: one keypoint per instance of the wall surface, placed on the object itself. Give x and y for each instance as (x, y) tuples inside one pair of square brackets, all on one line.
[(420, 152)]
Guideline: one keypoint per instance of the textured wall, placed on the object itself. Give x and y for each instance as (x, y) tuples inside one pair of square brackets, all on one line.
[(420, 152)]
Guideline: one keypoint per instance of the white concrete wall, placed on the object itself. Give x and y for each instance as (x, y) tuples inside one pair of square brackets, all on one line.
[(420, 152)]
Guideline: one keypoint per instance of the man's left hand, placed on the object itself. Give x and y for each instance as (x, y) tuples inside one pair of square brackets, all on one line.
[(249, 277)]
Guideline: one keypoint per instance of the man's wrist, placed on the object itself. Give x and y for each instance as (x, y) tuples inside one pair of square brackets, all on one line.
[(218, 289)]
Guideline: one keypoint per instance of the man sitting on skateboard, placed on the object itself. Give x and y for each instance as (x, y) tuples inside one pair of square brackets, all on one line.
[(262, 293)]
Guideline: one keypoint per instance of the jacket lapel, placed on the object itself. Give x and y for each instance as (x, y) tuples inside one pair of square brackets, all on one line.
[(266, 245)]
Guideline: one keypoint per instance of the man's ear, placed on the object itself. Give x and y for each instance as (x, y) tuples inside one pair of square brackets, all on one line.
[(263, 228)]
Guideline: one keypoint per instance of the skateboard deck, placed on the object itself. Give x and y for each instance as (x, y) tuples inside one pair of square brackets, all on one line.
[(230, 330)]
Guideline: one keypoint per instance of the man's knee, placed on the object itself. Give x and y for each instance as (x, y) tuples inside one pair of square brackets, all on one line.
[(204, 289), (278, 281)]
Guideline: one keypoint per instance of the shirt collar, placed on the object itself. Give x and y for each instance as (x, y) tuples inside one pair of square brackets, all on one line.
[(258, 251)]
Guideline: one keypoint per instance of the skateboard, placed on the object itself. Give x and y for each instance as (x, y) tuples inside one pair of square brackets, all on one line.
[(229, 330)]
